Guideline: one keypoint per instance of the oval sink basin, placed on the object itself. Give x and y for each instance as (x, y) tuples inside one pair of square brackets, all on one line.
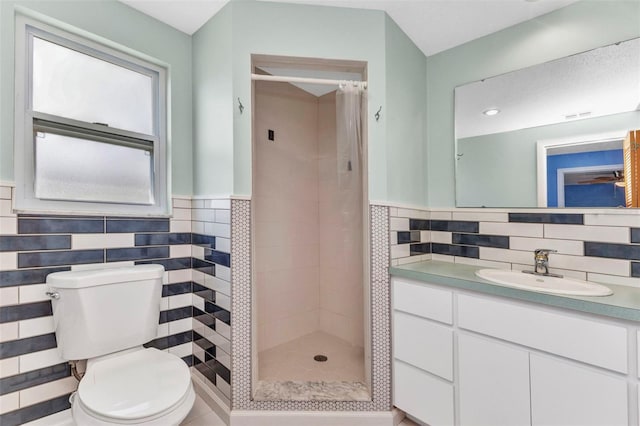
[(544, 284)]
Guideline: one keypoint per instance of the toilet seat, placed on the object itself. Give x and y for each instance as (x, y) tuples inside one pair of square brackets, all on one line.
[(140, 387)]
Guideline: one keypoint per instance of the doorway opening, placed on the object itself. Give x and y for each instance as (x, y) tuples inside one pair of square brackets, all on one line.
[(311, 336)]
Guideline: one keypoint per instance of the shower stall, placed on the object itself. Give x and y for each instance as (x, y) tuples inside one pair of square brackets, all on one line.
[(310, 242)]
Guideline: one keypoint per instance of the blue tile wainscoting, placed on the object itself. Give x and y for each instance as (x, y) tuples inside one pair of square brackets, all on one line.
[(194, 246), (598, 246), (195, 314), (211, 275)]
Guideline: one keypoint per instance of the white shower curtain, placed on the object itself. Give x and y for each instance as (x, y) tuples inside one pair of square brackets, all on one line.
[(350, 103), (350, 99)]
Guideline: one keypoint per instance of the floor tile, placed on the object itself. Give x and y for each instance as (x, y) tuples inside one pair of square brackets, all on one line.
[(209, 419)]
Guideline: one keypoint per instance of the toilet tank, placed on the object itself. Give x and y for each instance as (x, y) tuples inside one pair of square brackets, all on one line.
[(101, 311)]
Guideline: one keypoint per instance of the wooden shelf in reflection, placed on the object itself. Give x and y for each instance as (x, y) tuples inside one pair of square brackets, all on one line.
[(631, 149)]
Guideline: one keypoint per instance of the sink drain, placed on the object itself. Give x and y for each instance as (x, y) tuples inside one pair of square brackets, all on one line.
[(320, 358)]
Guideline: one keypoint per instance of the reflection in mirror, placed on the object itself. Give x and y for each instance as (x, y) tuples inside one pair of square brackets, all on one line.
[(581, 172), (550, 135)]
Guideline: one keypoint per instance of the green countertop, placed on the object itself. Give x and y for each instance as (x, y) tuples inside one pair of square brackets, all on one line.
[(624, 303)]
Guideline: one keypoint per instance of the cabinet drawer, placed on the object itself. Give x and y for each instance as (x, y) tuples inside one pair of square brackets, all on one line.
[(425, 397), (423, 344), (582, 339), (424, 301)]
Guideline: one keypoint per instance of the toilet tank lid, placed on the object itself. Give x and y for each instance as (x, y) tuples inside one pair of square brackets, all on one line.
[(96, 277)]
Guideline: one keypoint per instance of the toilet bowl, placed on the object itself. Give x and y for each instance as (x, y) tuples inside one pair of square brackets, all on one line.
[(105, 316), (142, 387)]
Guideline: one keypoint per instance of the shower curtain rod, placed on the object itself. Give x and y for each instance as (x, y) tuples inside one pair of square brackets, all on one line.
[(286, 79)]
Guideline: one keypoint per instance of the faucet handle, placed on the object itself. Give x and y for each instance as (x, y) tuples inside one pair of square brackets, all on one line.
[(544, 252)]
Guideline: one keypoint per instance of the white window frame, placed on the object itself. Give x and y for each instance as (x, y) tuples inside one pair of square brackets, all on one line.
[(27, 120)]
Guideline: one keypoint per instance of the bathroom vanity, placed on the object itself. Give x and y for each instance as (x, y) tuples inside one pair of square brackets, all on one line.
[(466, 352)]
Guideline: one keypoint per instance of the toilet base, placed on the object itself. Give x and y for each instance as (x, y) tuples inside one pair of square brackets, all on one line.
[(169, 418)]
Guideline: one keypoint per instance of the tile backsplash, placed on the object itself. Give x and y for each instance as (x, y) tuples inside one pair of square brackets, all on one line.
[(595, 246), (194, 321)]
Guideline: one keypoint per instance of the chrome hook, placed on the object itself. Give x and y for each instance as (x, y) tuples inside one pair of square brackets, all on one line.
[(377, 115)]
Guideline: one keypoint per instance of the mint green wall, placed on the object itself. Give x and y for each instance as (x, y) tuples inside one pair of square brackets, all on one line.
[(218, 161), (499, 170), (576, 28), (122, 25), (396, 76), (221, 155), (405, 113), (213, 111), (307, 31)]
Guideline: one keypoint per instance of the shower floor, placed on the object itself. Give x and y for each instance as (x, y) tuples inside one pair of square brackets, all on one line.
[(289, 371)]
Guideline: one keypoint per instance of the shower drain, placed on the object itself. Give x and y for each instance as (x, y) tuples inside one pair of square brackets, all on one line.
[(320, 358)]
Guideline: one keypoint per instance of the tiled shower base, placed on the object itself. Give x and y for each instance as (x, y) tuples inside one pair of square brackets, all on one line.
[(289, 371)]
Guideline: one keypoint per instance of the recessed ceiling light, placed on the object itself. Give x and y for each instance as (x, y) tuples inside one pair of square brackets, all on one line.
[(492, 111)]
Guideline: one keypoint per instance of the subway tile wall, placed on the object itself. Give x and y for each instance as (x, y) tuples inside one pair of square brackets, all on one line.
[(34, 381), (594, 246), (410, 235), (195, 246), (211, 322)]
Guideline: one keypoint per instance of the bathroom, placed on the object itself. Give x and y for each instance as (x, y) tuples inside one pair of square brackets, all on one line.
[(411, 179)]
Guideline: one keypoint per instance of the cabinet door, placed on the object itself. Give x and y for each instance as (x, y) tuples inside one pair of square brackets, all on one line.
[(494, 383), (566, 394)]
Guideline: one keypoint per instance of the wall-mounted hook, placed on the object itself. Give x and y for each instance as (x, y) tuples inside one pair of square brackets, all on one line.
[(377, 115), (459, 156), (240, 106)]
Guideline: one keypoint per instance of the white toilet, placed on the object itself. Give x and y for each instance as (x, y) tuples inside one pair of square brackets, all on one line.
[(104, 316)]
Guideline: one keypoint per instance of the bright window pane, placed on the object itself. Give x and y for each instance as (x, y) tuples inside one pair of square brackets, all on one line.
[(71, 84), (83, 170)]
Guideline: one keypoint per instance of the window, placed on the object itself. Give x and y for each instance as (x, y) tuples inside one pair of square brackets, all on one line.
[(90, 126)]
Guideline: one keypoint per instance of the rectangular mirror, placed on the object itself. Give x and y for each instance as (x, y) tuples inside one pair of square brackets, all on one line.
[(551, 135)]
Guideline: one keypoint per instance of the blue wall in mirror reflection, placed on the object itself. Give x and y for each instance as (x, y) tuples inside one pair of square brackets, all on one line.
[(594, 195)]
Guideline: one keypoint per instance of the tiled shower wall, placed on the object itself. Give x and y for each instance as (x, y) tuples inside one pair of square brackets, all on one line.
[(285, 197), (602, 247), (34, 381)]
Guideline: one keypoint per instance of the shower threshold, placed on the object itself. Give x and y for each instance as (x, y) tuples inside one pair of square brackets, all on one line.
[(299, 390)]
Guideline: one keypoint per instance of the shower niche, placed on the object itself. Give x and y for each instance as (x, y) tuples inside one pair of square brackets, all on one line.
[(310, 243)]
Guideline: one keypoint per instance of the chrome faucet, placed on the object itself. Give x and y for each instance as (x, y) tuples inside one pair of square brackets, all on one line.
[(541, 258), (541, 263)]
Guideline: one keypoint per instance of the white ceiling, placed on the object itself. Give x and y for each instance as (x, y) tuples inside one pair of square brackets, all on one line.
[(184, 15), (433, 25)]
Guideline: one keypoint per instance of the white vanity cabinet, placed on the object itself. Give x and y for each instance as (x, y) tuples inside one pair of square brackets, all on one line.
[(497, 361)]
